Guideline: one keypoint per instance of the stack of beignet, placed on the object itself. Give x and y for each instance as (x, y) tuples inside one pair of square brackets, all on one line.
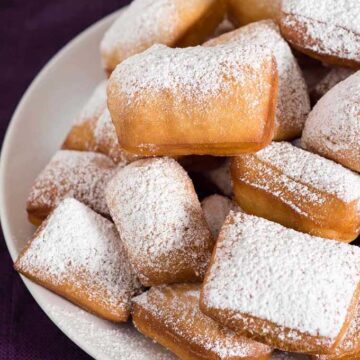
[(177, 198)]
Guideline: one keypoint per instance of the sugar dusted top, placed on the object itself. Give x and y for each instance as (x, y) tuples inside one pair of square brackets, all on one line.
[(292, 279), (331, 26), (177, 308), (144, 21), (343, 13), (74, 241), (78, 174), (311, 170), (195, 72), (158, 214), (334, 122)]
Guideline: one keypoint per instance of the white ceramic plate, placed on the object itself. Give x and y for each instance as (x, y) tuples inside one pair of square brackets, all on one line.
[(37, 129)]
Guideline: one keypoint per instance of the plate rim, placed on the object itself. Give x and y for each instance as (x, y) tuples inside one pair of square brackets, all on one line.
[(5, 155)]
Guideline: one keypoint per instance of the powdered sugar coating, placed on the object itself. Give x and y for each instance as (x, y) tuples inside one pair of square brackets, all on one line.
[(330, 26), (79, 247), (196, 73), (144, 23), (344, 13), (177, 309), (265, 270), (159, 218), (333, 126), (96, 104), (293, 101), (311, 171), (216, 208), (79, 174), (332, 78)]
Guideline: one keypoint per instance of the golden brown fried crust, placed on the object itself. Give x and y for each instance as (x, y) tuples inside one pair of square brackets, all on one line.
[(175, 132), (171, 318), (313, 218)]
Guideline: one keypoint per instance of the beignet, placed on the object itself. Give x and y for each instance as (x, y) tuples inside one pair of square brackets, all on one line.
[(78, 254), (300, 190), (281, 287), (171, 316), (196, 101), (159, 218)]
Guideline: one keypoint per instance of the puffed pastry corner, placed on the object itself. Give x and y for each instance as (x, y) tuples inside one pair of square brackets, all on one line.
[(175, 23), (300, 190), (77, 253), (217, 100), (160, 221), (281, 287), (328, 30), (349, 347), (170, 315)]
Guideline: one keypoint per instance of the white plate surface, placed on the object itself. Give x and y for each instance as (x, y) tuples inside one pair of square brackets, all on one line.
[(37, 129)]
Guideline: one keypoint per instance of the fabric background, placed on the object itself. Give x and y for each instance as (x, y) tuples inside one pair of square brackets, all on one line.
[(31, 32)]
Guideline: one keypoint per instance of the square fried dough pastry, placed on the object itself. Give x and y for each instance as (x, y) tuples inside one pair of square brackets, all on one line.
[(281, 287), (159, 218), (333, 126), (300, 190), (349, 346), (216, 208), (293, 104), (242, 12), (175, 23), (79, 174), (78, 254), (93, 129), (218, 100), (170, 315), (328, 30)]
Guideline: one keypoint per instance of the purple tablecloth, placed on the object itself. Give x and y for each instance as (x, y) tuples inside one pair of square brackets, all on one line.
[(31, 31)]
